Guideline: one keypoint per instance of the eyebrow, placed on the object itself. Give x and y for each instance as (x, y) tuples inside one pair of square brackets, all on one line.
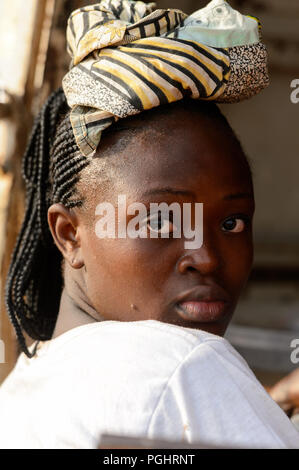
[(230, 197), (178, 192)]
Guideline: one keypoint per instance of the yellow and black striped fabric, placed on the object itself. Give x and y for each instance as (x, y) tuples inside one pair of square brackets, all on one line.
[(123, 63)]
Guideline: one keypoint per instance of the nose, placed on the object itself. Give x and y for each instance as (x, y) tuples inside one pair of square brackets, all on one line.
[(205, 260)]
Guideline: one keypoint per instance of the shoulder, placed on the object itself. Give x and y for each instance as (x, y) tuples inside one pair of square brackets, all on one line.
[(117, 371), (139, 359), (113, 351), (141, 353), (120, 341)]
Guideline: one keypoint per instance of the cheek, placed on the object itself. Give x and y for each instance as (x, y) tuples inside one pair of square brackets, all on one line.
[(239, 264), (121, 272), (108, 265)]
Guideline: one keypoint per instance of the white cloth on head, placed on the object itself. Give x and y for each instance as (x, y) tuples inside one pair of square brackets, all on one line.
[(218, 25), (142, 378)]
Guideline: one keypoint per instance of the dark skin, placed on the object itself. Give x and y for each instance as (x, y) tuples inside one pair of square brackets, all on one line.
[(286, 393), (192, 160)]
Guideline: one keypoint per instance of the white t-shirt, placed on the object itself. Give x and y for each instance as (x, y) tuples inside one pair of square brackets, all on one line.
[(142, 378)]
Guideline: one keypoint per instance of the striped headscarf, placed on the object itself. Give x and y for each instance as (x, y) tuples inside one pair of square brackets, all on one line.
[(128, 57)]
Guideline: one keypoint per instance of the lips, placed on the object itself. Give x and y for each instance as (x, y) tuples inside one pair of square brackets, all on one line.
[(203, 304)]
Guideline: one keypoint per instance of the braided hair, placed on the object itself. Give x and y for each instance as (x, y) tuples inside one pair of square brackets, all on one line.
[(51, 167)]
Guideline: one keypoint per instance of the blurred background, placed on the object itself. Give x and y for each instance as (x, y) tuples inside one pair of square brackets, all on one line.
[(33, 61)]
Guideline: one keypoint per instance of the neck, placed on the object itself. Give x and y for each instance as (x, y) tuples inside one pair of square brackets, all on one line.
[(75, 307)]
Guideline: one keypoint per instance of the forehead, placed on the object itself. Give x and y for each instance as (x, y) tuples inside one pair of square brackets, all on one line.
[(184, 150)]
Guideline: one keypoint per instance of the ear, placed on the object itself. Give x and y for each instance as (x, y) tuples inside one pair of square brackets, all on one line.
[(63, 224)]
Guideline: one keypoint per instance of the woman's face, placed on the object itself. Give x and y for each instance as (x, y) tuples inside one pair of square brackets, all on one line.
[(182, 158)]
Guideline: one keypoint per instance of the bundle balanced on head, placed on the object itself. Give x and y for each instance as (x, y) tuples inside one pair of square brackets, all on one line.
[(129, 328)]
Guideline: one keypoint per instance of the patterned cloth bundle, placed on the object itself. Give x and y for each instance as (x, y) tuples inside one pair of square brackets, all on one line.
[(128, 57)]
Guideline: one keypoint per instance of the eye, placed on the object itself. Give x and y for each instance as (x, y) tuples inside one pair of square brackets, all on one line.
[(236, 224), (160, 223)]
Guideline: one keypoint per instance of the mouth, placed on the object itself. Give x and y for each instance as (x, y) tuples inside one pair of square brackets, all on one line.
[(205, 304)]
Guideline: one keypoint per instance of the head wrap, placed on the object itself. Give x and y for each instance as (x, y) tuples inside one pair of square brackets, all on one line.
[(128, 57)]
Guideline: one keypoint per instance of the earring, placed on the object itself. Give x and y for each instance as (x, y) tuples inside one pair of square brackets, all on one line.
[(77, 264)]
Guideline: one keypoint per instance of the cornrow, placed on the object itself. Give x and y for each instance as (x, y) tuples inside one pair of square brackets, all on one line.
[(51, 167)]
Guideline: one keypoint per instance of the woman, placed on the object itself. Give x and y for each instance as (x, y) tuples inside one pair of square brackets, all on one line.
[(131, 328)]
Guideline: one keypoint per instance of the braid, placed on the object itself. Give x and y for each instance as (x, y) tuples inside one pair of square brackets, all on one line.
[(51, 167)]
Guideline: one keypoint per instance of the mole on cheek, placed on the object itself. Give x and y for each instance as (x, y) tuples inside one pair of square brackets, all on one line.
[(134, 307)]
